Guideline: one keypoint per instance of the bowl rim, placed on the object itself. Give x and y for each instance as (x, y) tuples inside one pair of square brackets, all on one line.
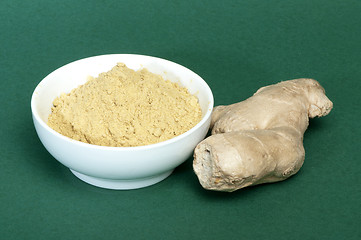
[(204, 119)]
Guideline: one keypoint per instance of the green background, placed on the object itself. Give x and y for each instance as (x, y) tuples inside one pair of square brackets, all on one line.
[(237, 47)]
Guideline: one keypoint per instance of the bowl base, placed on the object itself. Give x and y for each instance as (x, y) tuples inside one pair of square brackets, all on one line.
[(121, 184)]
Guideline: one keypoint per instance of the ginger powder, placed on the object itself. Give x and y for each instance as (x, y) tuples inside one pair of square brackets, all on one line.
[(125, 108)]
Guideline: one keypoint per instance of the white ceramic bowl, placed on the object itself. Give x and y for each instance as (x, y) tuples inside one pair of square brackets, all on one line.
[(118, 167)]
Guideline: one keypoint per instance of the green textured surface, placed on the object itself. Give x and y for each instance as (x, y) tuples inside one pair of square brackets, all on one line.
[(237, 47)]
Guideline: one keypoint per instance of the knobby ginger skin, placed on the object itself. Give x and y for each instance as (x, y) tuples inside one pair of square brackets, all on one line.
[(259, 140)]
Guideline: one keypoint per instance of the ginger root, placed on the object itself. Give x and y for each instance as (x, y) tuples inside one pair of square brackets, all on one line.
[(259, 140)]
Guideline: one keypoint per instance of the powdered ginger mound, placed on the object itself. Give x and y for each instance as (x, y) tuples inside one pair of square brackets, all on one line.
[(125, 108)]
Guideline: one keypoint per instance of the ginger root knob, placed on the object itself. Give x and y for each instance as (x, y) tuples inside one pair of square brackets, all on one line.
[(259, 140)]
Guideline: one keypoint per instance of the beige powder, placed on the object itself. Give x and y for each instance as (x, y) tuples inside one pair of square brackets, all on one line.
[(125, 108)]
